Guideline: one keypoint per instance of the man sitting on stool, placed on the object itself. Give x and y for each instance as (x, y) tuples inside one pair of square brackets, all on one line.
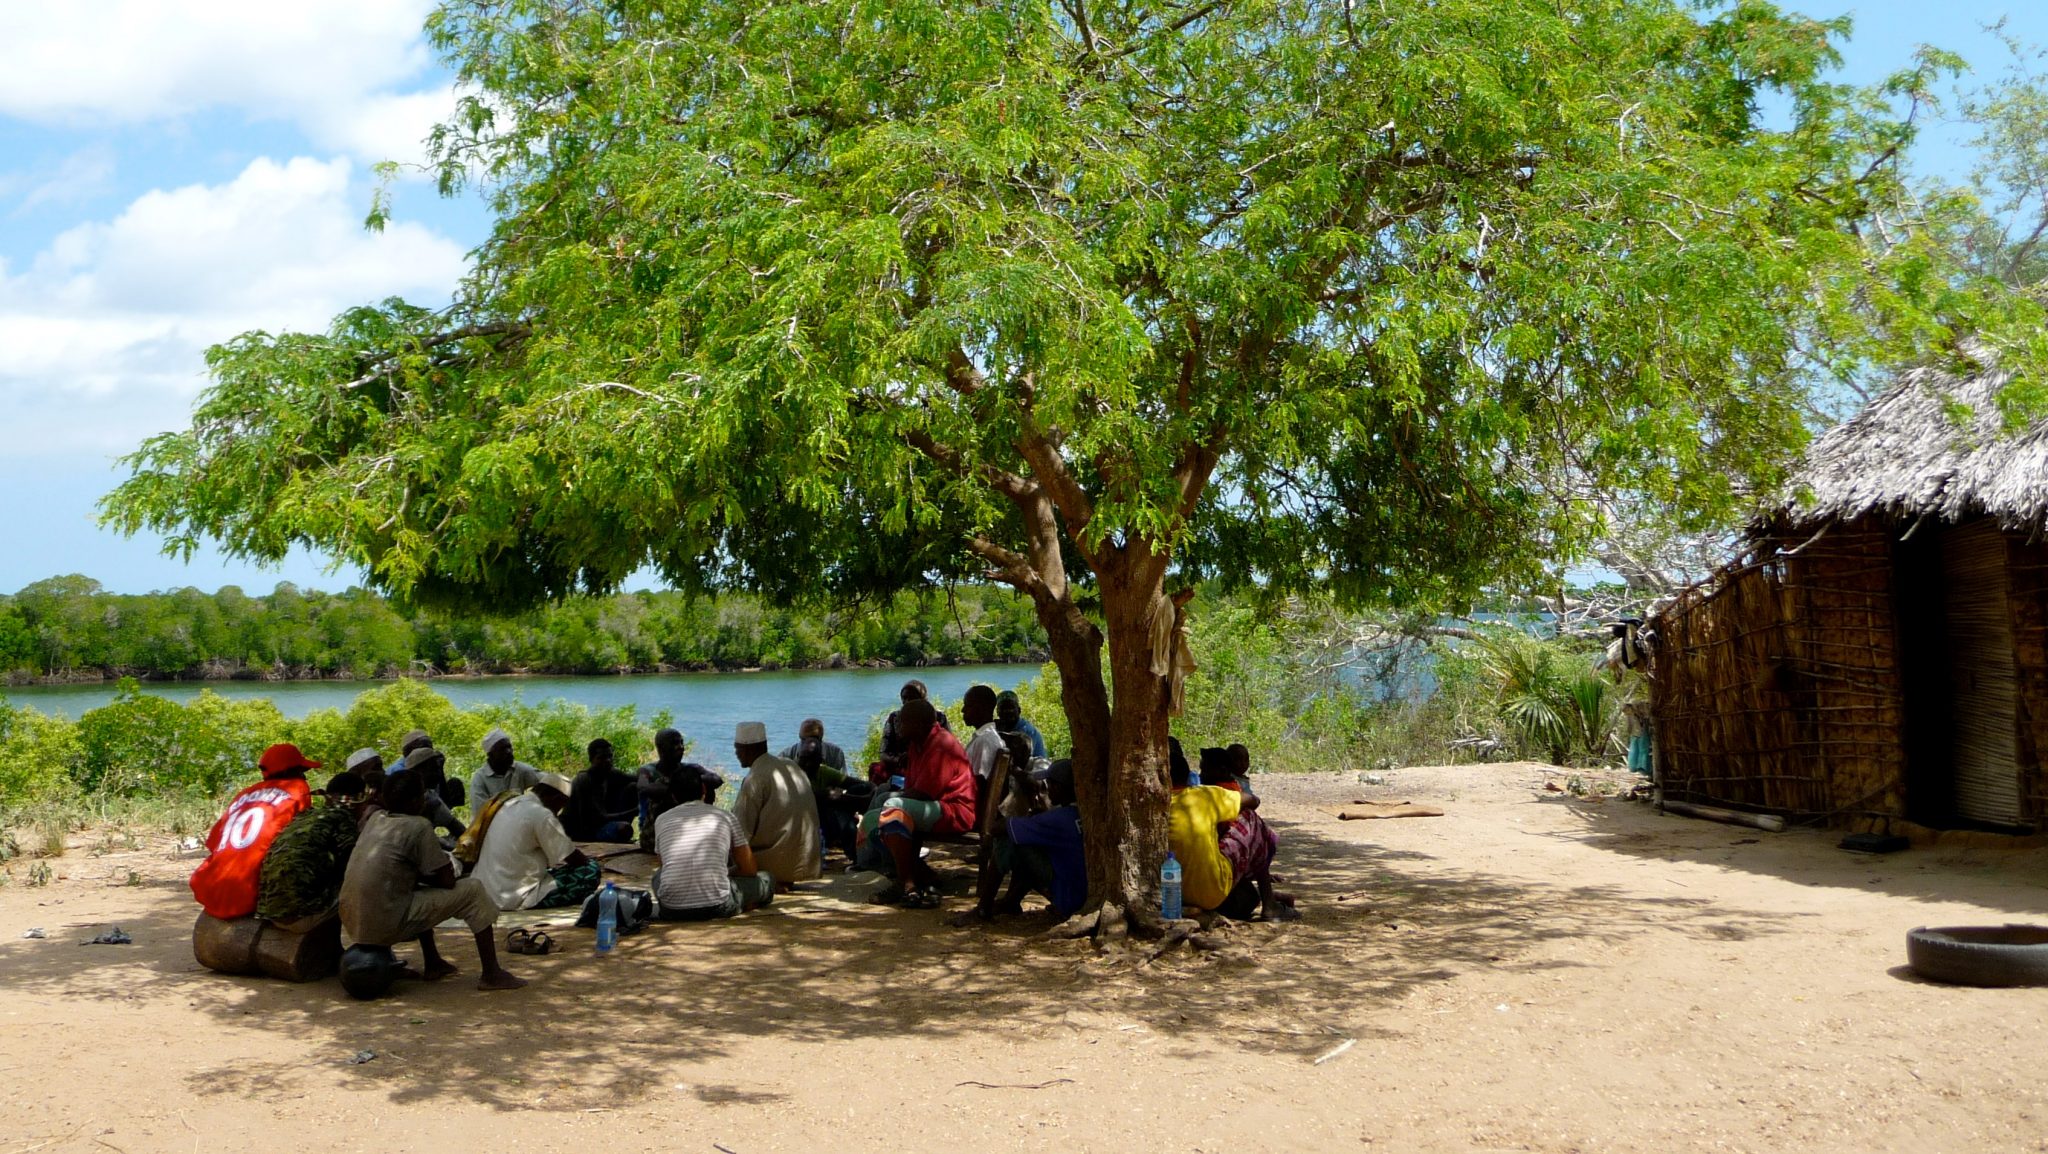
[(400, 884)]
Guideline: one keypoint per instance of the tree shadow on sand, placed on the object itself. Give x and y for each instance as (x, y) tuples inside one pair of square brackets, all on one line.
[(590, 1032)]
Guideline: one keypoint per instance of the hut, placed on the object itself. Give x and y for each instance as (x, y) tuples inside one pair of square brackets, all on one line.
[(1876, 656)]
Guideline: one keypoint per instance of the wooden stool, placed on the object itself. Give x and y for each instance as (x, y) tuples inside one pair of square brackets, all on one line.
[(302, 951)]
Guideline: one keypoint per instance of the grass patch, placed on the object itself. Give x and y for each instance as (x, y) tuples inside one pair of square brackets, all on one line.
[(119, 824)]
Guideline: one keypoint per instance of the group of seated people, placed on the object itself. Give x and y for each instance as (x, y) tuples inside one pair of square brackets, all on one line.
[(385, 850)]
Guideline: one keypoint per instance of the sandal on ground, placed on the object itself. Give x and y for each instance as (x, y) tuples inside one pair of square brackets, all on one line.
[(529, 942), (924, 899)]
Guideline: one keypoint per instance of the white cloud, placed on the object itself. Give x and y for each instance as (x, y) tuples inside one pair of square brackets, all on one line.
[(347, 72), (106, 326), (390, 126)]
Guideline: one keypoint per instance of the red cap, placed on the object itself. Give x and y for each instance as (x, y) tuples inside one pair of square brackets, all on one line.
[(283, 758)]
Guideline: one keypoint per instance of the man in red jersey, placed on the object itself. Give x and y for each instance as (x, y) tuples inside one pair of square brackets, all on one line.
[(228, 881)]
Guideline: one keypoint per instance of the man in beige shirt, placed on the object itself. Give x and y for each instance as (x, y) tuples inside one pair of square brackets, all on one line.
[(777, 811), (400, 884)]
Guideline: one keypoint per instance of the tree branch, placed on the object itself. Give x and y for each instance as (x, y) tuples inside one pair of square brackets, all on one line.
[(961, 375), (1052, 472), (1002, 480), (1011, 566)]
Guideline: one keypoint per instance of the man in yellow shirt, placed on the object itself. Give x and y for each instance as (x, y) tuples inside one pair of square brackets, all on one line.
[(1193, 820)]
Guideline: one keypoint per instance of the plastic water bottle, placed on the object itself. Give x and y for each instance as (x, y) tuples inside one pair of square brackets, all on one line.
[(607, 918), (1169, 888)]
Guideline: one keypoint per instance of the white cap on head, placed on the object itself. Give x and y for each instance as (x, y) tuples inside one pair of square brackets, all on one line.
[(494, 737), (359, 757), (556, 782), (750, 733)]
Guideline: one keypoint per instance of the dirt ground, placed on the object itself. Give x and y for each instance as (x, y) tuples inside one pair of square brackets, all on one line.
[(1532, 971)]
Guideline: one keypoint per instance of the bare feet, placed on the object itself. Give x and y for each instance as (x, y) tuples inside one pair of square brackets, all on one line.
[(500, 980), (441, 969)]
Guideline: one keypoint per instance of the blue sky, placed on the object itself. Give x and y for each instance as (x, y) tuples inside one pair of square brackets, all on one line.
[(174, 174)]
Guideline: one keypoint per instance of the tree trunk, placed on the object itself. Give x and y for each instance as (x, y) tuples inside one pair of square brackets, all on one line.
[(1131, 838), (1077, 652), (1120, 770)]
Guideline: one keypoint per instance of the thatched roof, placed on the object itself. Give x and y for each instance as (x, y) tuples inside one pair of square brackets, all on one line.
[(1914, 452)]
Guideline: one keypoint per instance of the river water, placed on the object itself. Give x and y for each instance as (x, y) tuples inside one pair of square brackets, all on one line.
[(706, 705)]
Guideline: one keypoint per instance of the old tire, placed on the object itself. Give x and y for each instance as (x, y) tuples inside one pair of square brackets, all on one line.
[(2010, 955)]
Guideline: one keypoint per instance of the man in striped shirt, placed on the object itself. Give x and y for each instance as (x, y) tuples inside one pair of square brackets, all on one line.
[(707, 869)]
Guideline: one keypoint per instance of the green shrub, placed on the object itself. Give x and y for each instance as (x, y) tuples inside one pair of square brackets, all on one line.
[(39, 756), (142, 743), (554, 734)]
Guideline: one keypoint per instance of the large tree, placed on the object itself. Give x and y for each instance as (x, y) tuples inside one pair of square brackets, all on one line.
[(1097, 299)]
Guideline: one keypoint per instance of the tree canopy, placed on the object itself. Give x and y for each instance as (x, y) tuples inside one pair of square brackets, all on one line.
[(1101, 299)]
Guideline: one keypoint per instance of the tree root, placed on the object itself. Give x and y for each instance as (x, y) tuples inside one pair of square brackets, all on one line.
[(1174, 933), (1081, 925), (1111, 924)]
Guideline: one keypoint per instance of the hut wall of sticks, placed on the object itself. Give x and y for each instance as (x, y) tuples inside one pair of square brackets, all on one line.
[(1877, 655)]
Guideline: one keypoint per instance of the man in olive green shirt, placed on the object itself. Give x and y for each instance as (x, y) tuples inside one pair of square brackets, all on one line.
[(400, 884)]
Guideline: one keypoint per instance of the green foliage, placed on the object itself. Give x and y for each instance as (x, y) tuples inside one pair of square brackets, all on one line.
[(70, 625), (1550, 697), (39, 756), (379, 717), (146, 759), (142, 743), (792, 304), (1040, 699), (1256, 682), (553, 735)]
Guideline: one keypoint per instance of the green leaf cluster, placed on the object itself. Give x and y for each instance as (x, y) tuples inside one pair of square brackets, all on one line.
[(1381, 298)]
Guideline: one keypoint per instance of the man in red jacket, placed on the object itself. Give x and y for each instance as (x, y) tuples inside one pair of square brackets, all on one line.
[(228, 881), (937, 797)]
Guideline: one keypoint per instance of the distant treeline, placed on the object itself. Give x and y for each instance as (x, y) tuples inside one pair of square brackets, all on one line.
[(68, 628)]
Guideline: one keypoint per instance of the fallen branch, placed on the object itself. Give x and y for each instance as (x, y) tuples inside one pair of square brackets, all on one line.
[(1014, 1085)]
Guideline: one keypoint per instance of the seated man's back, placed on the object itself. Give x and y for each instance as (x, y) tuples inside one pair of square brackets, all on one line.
[(695, 842), (393, 853), (1193, 818), (303, 872), (778, 813), (525, 841)]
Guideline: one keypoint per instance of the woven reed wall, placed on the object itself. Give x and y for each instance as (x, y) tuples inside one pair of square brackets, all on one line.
[(1845, 644), (1775, 686), (2028, 568)]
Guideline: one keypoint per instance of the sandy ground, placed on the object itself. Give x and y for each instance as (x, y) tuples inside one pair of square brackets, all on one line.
[(1531, 971)]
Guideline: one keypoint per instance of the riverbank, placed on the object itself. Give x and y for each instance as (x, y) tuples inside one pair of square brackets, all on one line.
[(68, 628), (272, 675)]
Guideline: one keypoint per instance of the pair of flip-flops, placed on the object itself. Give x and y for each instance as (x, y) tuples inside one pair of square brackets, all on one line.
[(529, 942)]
